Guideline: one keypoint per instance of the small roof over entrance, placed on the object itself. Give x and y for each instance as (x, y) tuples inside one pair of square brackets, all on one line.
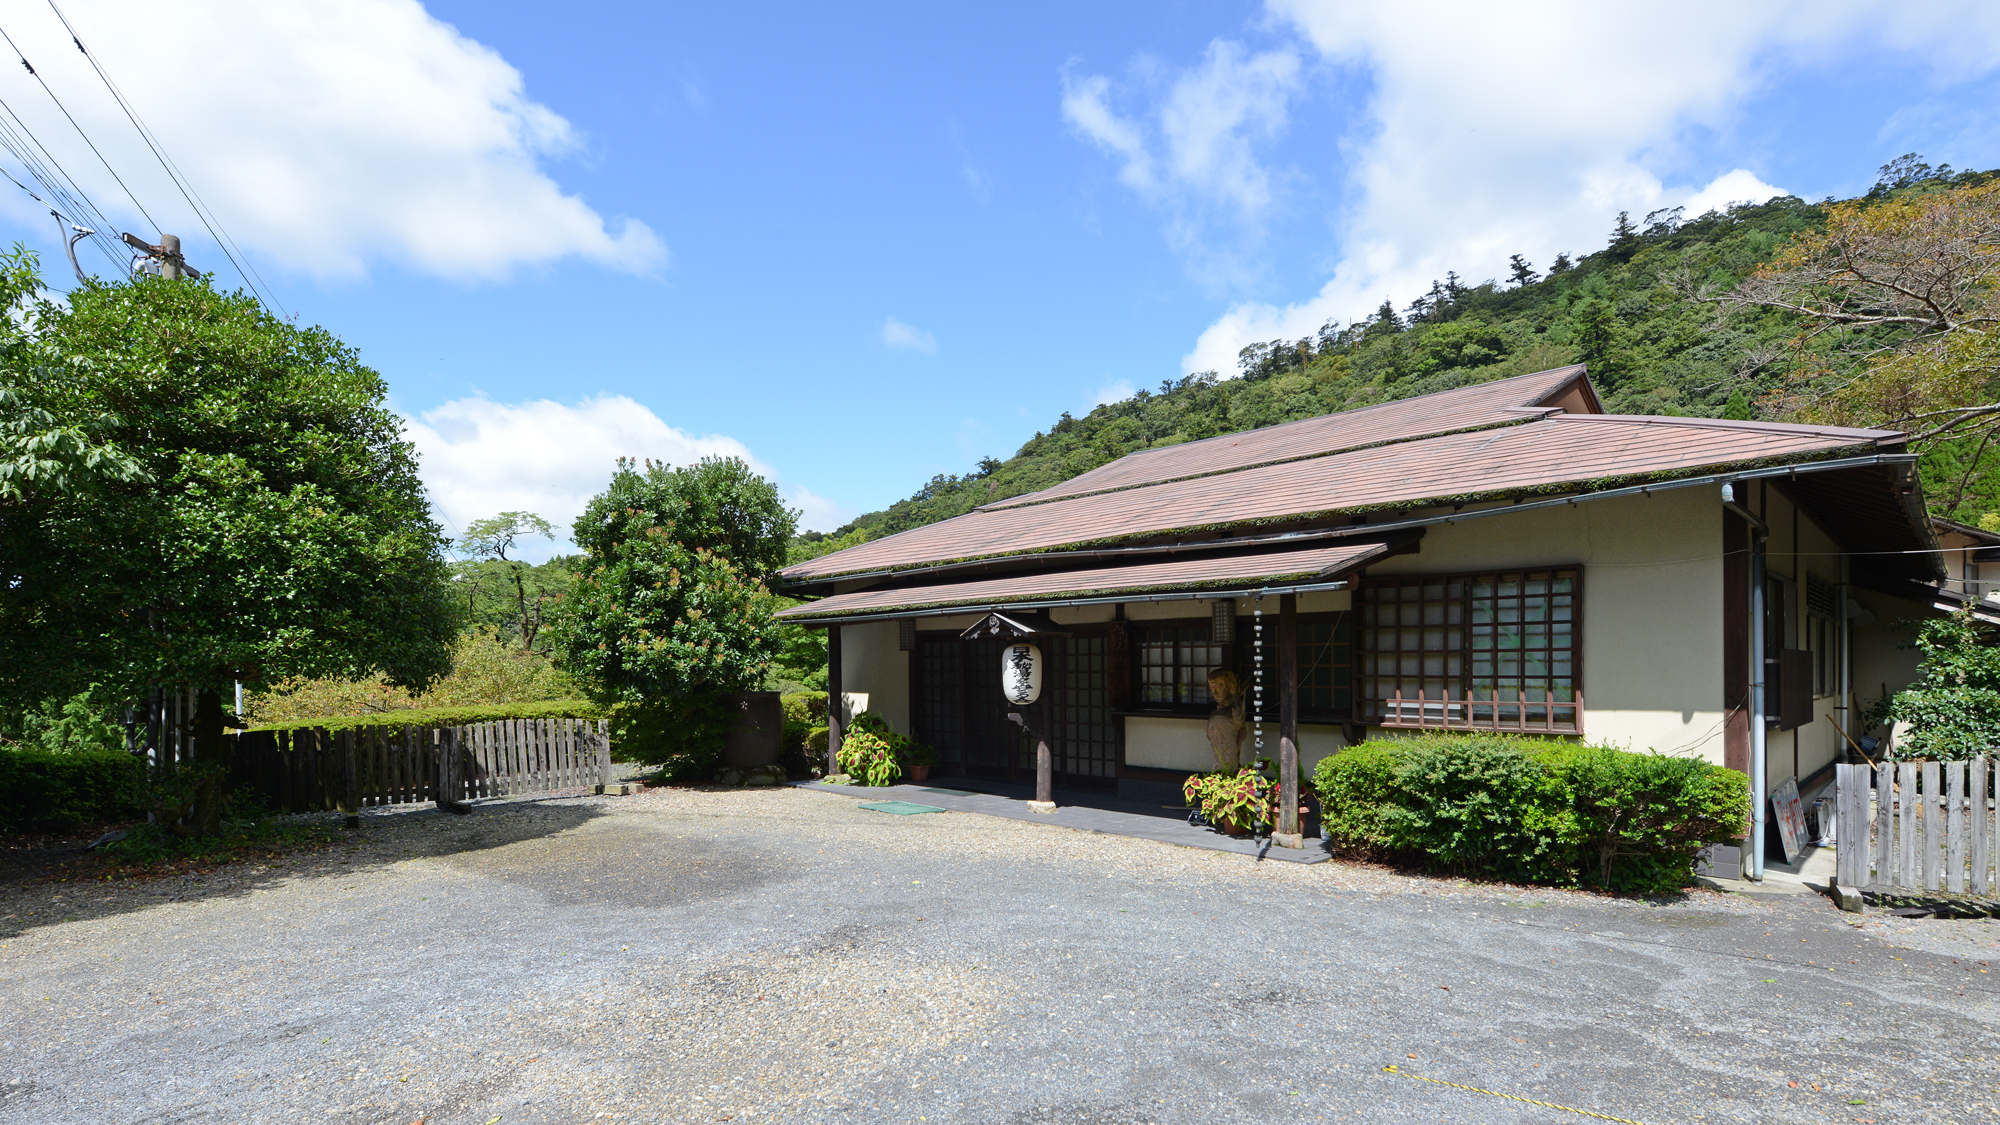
[(1321, 568)]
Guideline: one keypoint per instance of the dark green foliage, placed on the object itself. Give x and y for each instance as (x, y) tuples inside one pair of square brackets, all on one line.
[(1622, 309), (278, 529), (805, 714), (42, 791), (718, 505), (683, 736), (1531, 810), (1952, 711), (672, 604), (79, 724), (1475, 805), (247, 826), (1635, 821)]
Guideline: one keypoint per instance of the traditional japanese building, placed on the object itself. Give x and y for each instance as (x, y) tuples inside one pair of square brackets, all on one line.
[(1504, 556)]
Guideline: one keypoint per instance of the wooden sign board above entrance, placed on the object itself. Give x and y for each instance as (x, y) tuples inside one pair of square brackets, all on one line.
[(1013, 626)]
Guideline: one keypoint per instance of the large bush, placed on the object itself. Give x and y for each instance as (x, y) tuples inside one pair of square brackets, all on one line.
[(1952, 711), (41, 791), (1533, 810)]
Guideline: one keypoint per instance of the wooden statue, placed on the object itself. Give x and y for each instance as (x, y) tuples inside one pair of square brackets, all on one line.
[(1226, 726)]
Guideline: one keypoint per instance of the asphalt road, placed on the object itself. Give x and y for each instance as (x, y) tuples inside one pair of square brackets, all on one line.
[(778, 955)]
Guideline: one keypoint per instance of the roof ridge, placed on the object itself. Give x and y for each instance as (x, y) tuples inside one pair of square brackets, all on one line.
[(1568, 373), (1012, 503)]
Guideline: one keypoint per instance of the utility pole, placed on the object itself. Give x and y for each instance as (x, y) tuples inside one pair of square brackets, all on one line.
[(167, 254)]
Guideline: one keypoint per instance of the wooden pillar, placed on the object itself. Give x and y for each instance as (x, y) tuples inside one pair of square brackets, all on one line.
[(1287, 835), (1045, 771), (833, 691)]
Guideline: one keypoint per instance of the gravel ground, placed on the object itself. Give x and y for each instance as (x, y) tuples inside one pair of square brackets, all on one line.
[(781, 955)]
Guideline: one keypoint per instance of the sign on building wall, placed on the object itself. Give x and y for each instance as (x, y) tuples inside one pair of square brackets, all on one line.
[(1021, 674)]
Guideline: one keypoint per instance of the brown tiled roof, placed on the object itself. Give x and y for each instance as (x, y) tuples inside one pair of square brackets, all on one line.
[(1317, 563), (1500, 402), (1564, 452)]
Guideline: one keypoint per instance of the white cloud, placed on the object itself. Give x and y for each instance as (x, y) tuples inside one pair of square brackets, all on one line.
[(1116, 391), (328, 135), (1520, 128), (1194, 154), (896, 334), (816, 512), (1740, 186), (479, 457)]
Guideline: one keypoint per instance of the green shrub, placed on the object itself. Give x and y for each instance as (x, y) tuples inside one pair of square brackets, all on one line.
[(1640, 818), (872, 750), (1244, 801), (1532, 810), (683, 737), (454, 716), (42, 791), (803, 711)]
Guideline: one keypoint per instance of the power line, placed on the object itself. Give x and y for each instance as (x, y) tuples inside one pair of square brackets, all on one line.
[(180, 181), (19, 140), (79, 131)]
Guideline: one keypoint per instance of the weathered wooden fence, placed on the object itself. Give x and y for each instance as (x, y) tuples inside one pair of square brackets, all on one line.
[(310, 770), (1916, 826)]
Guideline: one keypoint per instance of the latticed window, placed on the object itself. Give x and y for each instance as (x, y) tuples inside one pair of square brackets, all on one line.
[(1172, 664), (1326, 665), (1481, 650)]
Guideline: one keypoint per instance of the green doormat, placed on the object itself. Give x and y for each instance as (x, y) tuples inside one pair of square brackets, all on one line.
[(899, 808)]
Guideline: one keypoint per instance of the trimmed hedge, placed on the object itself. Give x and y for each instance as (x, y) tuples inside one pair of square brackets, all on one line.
[(1531, 810), (42, 791), (451, 716)]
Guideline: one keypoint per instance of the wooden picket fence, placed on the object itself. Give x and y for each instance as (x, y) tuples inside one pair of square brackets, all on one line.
[(1916, 826), (310, 770)]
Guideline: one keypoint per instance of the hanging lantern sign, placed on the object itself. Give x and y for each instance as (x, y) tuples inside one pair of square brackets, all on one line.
[(1021, 673)]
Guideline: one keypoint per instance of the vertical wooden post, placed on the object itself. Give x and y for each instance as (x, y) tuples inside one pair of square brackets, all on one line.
[(1885, 826), (602, 742), (350, 788), (1981, 825), (1045, 772), (833, 690), (1933, 839), (1288, 835), (1954, 863)]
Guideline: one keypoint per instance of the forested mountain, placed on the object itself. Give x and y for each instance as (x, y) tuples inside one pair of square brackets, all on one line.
[(1641, 312)]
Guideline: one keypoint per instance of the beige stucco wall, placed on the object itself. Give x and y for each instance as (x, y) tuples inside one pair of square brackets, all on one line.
[(1182, 744), (1652, 605), (872, 662)]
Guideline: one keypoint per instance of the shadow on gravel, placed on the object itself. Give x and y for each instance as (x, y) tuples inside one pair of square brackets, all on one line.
[(59, 881)]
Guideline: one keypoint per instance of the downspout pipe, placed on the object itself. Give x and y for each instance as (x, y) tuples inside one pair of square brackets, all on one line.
[(1736, 498), (1759, 752)]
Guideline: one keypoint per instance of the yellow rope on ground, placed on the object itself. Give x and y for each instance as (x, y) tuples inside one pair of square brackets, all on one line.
[(1512, 1097)]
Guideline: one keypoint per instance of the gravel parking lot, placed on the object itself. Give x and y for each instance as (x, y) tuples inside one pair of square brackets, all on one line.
[(782, 955)]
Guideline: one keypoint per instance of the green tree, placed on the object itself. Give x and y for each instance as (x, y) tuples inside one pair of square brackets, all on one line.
[(1522, 271), (270, 524), (1738, 407), (489, 540), (1953, 708), (671, 603)]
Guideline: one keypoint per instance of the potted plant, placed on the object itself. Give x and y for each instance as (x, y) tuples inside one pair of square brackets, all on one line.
[(919, 759)]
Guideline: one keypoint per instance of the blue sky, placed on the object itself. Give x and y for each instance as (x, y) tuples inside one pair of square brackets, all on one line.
[(864, 245)]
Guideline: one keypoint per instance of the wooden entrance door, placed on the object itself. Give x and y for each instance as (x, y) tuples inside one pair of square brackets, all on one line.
[(957, 708)]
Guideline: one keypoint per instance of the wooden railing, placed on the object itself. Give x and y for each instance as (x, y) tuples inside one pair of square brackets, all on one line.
[(310, 770), (1492, 713), (1918, 826)]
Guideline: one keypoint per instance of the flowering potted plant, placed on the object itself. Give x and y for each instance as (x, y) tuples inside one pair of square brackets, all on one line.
[(919, 759)]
